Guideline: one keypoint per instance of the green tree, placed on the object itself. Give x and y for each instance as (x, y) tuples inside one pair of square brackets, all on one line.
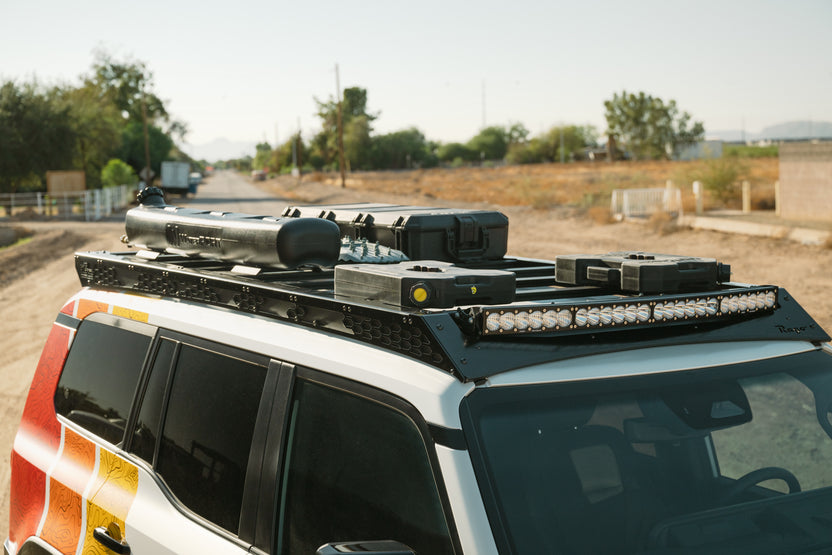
[(126, 83), (117, 173), (647, 127), (530, 152), (132, 146), (402, 150), (491, 143), (281, 157), (357, 142), (516, 134), (36, 135), (318, 152), (547, 146), (356, 136), (98, 126), (449, 152), (263, 153)]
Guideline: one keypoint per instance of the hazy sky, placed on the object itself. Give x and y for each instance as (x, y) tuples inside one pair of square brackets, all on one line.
[(236, 69)]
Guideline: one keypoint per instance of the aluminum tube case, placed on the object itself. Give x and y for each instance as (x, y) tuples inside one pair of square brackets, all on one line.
[(240, 238)]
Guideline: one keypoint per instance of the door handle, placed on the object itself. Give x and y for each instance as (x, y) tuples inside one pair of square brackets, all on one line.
[(102, 535)]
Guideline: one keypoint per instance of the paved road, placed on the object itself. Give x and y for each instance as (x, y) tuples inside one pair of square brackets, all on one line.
[(229, 191)]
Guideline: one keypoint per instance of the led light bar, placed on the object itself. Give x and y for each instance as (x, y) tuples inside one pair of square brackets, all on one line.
[(640, 312)]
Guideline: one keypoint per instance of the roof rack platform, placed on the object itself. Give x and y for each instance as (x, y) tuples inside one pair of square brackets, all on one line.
[(552, 321)]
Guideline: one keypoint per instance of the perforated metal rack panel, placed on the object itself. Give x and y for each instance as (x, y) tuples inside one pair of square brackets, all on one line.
[(289, 300)]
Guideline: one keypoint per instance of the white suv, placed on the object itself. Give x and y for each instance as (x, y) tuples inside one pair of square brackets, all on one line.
[(247, 385)]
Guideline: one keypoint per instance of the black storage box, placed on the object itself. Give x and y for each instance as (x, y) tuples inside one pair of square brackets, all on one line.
[(641, 272), (422, 233), (424, 284)]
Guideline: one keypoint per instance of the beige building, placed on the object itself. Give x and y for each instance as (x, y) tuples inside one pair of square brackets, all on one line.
[(806, 181)]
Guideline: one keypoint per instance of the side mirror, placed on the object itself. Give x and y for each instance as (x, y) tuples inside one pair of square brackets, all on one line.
[(379, 547)]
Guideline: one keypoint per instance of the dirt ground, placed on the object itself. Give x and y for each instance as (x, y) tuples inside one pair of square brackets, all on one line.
[(38, 276), (543, 186), (804, 270)]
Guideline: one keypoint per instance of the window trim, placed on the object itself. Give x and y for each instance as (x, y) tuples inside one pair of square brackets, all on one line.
[(276, 458)]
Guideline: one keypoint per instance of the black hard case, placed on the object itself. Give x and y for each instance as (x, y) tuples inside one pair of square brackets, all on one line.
[(446, 285), (422, 233), (641, 272)]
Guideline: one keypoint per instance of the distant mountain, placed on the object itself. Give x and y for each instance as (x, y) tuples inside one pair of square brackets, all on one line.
[(781, 131), (730, 135), (220, 149), (798, 130)]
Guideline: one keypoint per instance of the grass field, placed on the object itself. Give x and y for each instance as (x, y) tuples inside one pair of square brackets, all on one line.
[(580, 185)]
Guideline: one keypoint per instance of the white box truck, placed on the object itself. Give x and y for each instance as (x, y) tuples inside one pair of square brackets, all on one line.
[(175, 177)]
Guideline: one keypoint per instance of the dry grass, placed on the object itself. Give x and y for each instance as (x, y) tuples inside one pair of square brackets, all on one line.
[(600, 215), (663, 223), (544, 186)]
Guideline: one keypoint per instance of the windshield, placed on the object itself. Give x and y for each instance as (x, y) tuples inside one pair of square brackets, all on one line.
[(733, 459)]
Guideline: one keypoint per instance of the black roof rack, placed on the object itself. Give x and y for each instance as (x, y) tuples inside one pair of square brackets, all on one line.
[(457, 325), (454, 339)]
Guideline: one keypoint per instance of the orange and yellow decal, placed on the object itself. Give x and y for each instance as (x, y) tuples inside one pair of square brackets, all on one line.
[(62, 525), (109, 485), (110, 498), (69, 308), (38, 426), (84, 485), (85, 307), (130, 313)]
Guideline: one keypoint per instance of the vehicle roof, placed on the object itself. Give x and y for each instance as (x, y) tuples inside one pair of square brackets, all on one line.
[(435, 394)]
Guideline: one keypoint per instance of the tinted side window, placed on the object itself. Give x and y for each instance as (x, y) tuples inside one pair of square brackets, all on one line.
[(100, 375), (356, 470), (207, 432)]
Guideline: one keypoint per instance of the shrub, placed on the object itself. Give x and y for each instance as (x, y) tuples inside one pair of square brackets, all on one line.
[(751, 151), (720, 176), (117, 173)]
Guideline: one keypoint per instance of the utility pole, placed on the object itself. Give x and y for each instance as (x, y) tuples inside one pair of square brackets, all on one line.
[(298, 157), (743, 130), (341, 165), (294, 154), (147, 169)]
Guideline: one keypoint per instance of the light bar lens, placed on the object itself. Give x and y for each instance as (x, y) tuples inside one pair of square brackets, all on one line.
[(626, 313)]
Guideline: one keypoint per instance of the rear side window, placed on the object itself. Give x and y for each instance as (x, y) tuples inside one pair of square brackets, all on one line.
[(207, 430), (100, 375)]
